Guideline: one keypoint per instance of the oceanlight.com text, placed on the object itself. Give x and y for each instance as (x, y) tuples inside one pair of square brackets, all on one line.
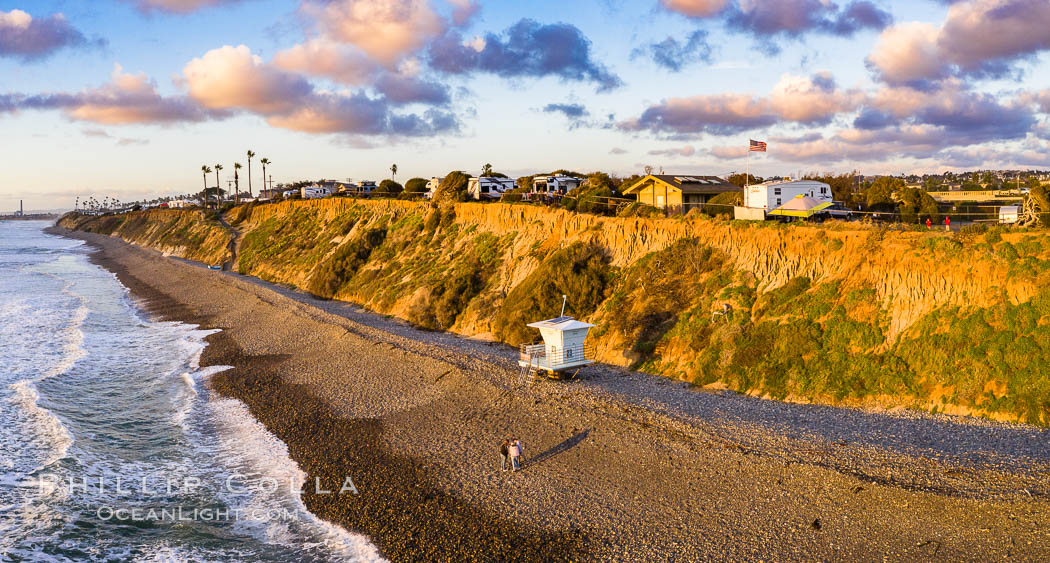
[(187, 514)]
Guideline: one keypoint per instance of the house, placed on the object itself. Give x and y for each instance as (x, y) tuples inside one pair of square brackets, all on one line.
[(489, 187), (268, 194), (564, 346), (771, 195), (555, 185), (679, 193), (181, 203)]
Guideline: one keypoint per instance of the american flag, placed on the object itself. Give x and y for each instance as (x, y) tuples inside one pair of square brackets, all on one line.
[(757, 146)]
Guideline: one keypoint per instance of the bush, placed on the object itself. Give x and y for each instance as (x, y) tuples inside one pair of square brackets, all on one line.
[(345, 262), (581, 271), (453, 187), (389, 187), (638, 209), (722, 203), (416, 186)]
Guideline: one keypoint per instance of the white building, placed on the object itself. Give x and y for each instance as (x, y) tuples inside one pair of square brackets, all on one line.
[(316, 191), (489, 187), (1008, 214), (564, 346), (771, 195), (432, 186), (180, 203), (290, 193), (555, 185)]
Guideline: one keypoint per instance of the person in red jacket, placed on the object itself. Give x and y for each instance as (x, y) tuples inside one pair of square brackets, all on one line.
[(928, 223), (947, 223)]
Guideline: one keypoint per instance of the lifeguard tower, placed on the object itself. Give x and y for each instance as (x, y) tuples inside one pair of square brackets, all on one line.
[(564, 347)]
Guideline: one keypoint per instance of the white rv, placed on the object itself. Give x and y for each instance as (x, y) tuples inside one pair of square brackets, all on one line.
[(316, 191), (771, 195), (489, 187), (555, 185), (432, 186)]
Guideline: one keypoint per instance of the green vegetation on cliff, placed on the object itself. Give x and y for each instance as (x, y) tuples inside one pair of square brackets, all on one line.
[(840, 314)]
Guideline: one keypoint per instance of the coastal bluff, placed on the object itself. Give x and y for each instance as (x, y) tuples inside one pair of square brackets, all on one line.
[(842, 314)]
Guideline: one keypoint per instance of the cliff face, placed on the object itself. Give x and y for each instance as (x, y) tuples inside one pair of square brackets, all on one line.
[(838, 314), (186, 234)]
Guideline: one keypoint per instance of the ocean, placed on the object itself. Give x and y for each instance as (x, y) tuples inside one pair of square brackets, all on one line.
[(112, 448)]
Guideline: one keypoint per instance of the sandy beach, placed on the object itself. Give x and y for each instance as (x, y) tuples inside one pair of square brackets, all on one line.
[(619, 465)]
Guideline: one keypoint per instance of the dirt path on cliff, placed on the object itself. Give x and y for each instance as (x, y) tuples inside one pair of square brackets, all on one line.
[(626, 466)]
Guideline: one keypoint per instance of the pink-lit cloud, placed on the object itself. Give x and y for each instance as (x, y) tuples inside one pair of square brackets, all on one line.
[(386, 30), (812, 99), (178, 6), (232, 77), (979, 38), (696, 8)]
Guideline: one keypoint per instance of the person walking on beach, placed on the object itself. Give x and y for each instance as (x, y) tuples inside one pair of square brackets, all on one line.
[(504, 452), (515, 455)]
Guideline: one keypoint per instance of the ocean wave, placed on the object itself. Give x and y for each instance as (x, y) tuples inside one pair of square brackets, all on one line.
[(48, 430)]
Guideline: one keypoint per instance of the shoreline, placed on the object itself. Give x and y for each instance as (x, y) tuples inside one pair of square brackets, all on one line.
[(667, 486)]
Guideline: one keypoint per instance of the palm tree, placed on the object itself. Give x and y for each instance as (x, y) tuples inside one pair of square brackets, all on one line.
[(486, 170), (393, 171), (236, 182), (218, 191), (251, 154), (264, 162), (206, 170)]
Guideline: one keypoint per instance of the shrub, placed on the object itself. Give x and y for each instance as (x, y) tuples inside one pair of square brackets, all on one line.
[(722, 204), (638, 209), (453, 187), (416, 186), (581, 271), (346, 260), (389, 187)]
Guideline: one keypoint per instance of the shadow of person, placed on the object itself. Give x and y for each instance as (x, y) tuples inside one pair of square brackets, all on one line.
[(563, 447)]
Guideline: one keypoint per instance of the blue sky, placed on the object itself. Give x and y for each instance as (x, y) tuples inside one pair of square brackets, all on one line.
[(438, 85)]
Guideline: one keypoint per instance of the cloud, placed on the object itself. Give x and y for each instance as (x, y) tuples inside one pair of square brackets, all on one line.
[(687, 150), (127, 142), (463, 11), (572, 111), (232, 78), (24, 37), (178, 6), (321, 57), (673, 54), (979, 39), (95, 132), (324, 57), (795, 17), (808, 100), (126, 99), (526, 49), (386, 30), (790, 18), (696, 8), (617, 151)]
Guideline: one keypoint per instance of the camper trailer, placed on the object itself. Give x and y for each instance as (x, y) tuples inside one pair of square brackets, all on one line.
[(489, 187)]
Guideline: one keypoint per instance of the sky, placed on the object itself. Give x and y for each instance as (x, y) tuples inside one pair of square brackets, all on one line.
[(129, 98)]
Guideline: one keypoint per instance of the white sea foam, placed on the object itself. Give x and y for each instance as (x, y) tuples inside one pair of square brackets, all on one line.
[(249, 447), (46, 426)]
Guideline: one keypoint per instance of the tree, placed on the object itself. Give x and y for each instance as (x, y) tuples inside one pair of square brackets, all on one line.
[(416, 186), (251, 154), (916, 205), (393, 171), (742, 180), (1033, 182), (218, 168), (206, 170), (236, 182), (453, 187), (265, 162), (486, 170), (389, 187), (648, 169), (880, 195)]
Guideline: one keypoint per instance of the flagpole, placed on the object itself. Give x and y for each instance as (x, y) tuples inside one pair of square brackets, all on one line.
[(747, 172)]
